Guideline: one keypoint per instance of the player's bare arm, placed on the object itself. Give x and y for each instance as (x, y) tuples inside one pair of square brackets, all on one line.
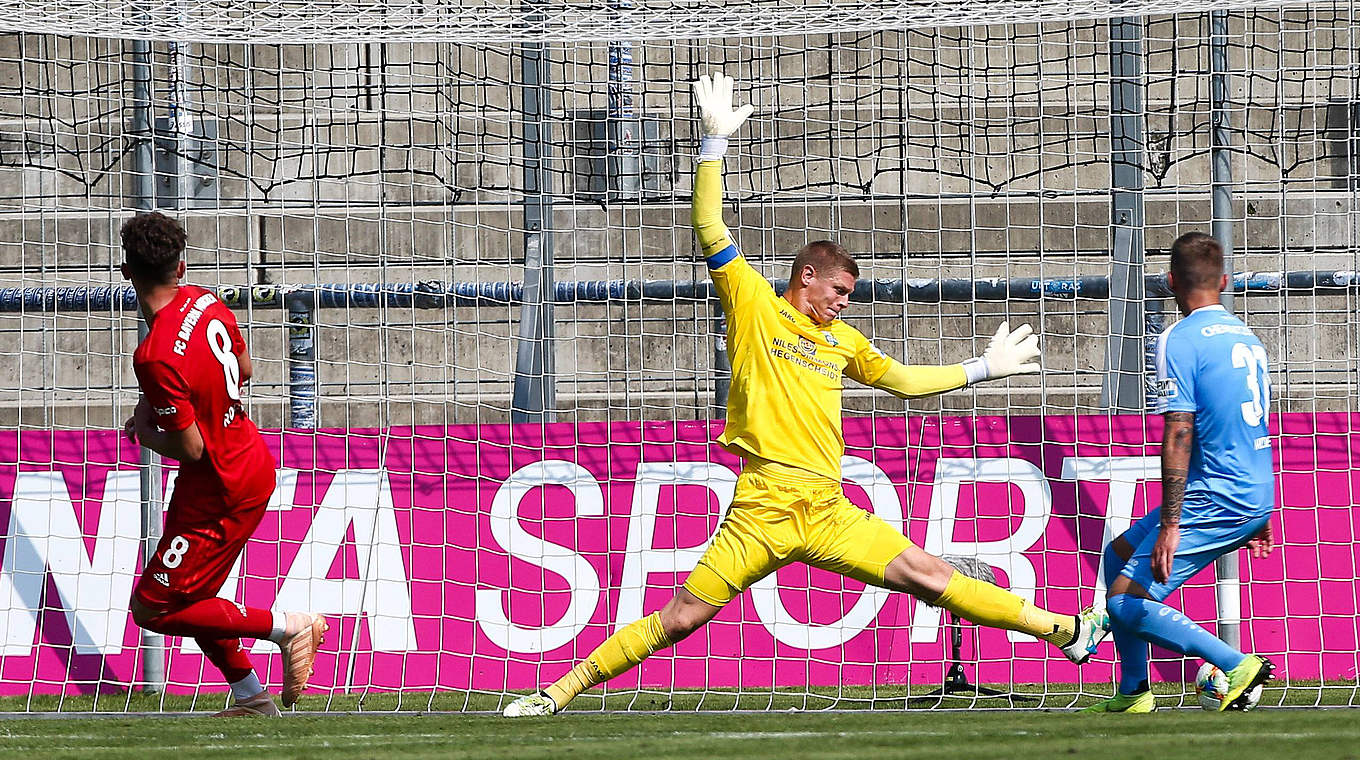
[(1177, 440), (246, 366)]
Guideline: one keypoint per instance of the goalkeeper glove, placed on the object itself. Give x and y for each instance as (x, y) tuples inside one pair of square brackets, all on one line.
[(714, 96), (1008, 353)]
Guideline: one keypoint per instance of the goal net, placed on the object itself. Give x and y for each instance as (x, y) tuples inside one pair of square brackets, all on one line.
[(491, 368)]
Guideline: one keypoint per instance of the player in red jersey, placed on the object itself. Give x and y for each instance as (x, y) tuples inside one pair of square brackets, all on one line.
[(190, 367)]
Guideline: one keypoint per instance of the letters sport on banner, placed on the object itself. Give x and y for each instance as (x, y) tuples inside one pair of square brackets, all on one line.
[(491, 557)]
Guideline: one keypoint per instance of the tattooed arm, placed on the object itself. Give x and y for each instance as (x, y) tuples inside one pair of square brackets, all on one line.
[(1178, 436)]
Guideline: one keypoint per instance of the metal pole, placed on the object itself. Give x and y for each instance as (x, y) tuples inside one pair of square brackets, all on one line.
[(430, 294), (722, 366), (1123, 386), (1227, 591), (1154, 321), (181, 122), (622, 129), (1220, 150), (534, 393), (140, 125), (301, 361), (152, 509), (152, 499)]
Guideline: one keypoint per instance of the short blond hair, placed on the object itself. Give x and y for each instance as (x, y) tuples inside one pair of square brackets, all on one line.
[(826, 258)]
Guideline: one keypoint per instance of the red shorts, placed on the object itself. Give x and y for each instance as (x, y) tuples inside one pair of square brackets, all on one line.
[(202, 539)]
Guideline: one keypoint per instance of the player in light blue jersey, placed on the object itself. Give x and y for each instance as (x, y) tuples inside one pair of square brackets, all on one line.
[(1218, 482)]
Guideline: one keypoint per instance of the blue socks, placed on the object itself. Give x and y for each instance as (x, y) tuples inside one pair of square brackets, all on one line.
[(1135, 620), (1133, 658), (1112, 563), (1133, 651)]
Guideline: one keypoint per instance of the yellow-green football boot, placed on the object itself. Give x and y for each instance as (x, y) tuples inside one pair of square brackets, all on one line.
[(1250, 673), (1142, 702), (531, 706)]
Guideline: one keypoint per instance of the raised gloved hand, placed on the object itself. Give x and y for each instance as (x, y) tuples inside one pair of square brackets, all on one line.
[(720, 120)]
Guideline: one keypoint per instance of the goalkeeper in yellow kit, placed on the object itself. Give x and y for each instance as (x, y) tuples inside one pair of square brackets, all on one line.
[(788, 356)]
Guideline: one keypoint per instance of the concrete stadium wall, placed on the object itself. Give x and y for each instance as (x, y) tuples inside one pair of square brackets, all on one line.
[(948, 153)]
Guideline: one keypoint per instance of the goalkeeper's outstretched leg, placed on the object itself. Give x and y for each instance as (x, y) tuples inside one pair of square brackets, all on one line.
[(684, 614), (914, 571), (929, 578)]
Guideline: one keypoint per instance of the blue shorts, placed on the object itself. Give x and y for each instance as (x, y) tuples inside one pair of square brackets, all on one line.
[(1200, 544)]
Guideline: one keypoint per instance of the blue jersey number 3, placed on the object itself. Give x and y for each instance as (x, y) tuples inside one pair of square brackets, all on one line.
[(1253, 360)]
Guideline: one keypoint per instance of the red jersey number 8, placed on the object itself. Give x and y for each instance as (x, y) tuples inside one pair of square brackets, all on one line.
[(174, 553), (220, 343)]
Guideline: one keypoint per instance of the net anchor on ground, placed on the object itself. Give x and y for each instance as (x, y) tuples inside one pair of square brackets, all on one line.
[(956, 678)]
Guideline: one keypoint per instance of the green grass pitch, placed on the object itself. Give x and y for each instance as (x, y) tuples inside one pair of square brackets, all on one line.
[(779, 725), (857, 735)]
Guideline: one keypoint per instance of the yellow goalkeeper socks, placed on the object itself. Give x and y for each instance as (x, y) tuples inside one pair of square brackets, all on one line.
[(632, 644), (985, 604)]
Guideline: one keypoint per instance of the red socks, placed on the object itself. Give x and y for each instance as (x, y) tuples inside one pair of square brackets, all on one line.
[(229, 657)]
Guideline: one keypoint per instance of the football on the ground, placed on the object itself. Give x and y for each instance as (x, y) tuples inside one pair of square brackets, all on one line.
[(1211, 685)]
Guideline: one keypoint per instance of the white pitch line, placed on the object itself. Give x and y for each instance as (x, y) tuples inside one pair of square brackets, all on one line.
[(804, 734)]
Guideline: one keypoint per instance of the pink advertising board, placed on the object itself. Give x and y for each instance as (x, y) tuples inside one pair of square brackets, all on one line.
[(491, 557)]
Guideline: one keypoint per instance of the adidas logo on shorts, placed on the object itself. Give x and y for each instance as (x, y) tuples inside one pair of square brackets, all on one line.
[(162, 578)]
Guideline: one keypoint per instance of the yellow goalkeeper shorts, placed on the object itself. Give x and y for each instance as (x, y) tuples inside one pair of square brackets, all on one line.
[(781, 515)]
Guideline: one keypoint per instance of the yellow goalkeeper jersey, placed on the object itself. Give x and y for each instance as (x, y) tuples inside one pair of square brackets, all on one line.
[(785, 401)]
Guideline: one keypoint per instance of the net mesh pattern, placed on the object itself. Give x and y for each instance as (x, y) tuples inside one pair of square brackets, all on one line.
[(354, 182)]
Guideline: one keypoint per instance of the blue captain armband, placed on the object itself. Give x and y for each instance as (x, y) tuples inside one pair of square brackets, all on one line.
[(717, 260)]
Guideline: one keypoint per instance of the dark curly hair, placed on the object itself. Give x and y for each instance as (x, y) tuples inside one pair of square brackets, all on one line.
[(153, 244)]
